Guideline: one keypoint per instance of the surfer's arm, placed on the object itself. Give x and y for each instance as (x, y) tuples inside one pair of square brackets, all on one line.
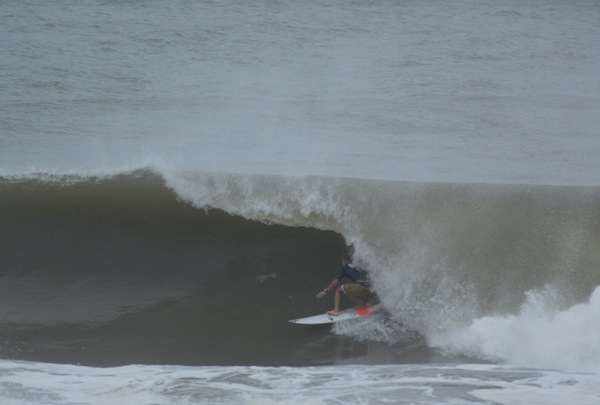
[(330, 287)]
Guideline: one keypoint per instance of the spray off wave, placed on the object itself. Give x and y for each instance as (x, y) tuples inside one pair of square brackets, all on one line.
[(487, 270)]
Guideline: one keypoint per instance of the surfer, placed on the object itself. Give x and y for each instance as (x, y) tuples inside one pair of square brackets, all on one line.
[(357, 291)]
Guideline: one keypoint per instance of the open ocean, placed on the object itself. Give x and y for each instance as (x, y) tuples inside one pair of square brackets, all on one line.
[(179, 178)]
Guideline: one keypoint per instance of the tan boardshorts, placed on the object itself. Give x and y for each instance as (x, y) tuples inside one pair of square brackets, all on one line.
[(356, 291)]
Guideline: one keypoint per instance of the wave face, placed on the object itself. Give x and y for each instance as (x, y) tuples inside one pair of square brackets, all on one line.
[(205, 268), (119, 271)]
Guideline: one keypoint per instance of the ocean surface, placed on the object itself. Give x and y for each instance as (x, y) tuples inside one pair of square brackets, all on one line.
[(179, 178)]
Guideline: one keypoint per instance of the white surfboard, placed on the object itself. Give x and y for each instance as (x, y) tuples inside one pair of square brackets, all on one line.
[(351, 313)]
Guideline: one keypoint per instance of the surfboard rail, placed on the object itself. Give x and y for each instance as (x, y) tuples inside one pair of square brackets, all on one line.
[(324, 319)]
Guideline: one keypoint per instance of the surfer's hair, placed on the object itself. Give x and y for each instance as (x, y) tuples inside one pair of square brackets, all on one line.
[(347, 257)]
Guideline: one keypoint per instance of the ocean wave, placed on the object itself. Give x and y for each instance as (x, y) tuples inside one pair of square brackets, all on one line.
[(442, 256)]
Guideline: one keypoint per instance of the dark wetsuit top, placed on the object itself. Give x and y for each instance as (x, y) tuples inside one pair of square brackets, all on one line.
[(357, 275)]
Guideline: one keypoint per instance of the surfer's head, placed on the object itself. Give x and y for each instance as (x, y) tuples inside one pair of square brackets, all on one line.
[(347, 258)]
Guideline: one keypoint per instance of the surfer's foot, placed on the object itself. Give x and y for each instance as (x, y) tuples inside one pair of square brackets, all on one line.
[(333, 312)]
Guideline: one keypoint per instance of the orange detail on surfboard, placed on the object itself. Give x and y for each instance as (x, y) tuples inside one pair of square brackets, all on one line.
[(362, 311)]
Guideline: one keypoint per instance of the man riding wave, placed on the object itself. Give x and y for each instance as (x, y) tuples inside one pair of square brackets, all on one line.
[(357, 290)]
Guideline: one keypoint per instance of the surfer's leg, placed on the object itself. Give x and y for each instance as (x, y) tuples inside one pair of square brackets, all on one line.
[(357, 293), (336, 302)]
